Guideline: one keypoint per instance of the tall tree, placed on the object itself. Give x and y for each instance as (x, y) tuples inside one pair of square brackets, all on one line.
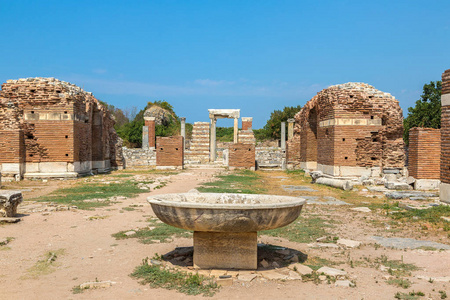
[(273, 125), (427, 112)]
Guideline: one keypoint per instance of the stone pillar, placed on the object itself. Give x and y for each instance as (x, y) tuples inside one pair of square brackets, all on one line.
[(150, 122), (283, 136), (183, 131), (247, 123), (445, 138), (212, 143), (236, 124), (290, 128)]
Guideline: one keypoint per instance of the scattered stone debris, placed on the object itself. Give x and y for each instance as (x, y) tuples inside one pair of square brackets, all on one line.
[(344, 283), (96, 284), (405, 243), (348, 243), (331, 271), (301, 269), (129, 233), (361, 209), (394, 185), (432, 279), (246, 277), (409, 194), (323, 245)]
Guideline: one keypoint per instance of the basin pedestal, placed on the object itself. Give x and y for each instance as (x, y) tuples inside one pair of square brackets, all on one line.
[(225, 250)]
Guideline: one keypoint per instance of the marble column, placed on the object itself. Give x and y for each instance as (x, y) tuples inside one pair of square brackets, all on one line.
[(236, 128), (212, 143), (290, 128), (183, 131), (283, 136)]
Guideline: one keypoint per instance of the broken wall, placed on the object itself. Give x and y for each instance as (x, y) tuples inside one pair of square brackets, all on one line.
[(347, 129)]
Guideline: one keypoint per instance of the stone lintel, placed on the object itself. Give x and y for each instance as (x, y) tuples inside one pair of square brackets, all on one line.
[(225, 250), (224, 113), (445, 99)]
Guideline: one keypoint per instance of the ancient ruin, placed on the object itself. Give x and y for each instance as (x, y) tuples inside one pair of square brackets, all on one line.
[(51, 128), (445, 138), (349, 129), (225, 225), (424, 157)]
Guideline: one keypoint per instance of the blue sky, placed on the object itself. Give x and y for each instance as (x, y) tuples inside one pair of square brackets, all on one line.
[(254, 55)]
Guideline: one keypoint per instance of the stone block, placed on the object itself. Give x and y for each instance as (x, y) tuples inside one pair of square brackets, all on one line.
[(426, 184), (227, 250), (9, 200)]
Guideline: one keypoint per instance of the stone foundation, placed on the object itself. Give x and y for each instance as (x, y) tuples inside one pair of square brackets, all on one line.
[(226, 250)]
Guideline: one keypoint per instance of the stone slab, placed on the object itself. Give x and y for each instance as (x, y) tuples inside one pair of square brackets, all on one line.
[(302, 188), (331, 271), (225, 250)]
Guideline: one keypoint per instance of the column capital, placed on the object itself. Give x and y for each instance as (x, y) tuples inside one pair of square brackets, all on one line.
[(149, 119), (292, 120), (183, 119)]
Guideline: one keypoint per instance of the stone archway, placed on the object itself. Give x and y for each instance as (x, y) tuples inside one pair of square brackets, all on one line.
[(215, 114)]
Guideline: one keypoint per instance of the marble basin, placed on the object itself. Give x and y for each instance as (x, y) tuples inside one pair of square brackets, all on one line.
[(225, 225)]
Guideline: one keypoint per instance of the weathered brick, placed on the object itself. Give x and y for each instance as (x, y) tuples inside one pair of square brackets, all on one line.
[(424, 153), (169, 151), (242, 155)]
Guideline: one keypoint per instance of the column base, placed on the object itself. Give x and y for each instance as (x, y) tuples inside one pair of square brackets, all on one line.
[(444, 193), (226, 250)]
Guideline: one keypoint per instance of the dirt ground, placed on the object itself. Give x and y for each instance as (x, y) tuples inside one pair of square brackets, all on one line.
[(90, 253)]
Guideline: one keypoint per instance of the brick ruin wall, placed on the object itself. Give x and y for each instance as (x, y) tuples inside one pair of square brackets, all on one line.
[(353, 125), (169, 151), (424, 153), (242, 156), (293, 151), (445, 129), (60, 123)]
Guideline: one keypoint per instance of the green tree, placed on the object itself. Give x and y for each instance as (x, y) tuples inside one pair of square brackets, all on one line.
[(427, 112), (131, 132), (273, 125)]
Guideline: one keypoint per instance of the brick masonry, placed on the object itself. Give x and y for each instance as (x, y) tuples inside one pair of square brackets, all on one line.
[(247, 123), (445, 130), (169, 151), (293, 150), (57, 122), (242, 156), (151, 124), (424, 153), (350, 125)]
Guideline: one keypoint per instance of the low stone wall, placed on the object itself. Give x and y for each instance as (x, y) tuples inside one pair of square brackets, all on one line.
[(269, 157), (136, 157)]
